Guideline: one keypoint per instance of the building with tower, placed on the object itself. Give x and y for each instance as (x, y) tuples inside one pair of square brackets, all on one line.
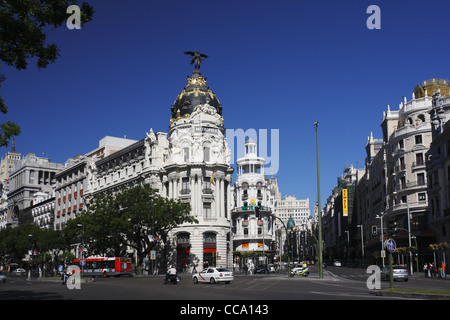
[(253, 226), (6, 166), (190, 163), (197, 171)]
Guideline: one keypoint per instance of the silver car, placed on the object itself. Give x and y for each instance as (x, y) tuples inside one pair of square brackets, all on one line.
[(2, 277), (398, 273)]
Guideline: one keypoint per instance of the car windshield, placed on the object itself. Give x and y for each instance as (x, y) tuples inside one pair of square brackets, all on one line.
[(222, 270)]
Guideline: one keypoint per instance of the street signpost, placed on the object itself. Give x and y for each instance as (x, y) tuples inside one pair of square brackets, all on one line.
[(391, 246), (82, 264)]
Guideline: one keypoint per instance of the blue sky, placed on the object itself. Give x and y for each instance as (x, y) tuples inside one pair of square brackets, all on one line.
[(273, 65)]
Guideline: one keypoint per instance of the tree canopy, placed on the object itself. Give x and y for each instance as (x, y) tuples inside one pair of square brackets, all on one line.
[(114, 222), (16, 242)]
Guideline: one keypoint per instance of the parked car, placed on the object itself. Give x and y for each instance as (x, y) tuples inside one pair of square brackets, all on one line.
[(337, 263), (213, 275), (2, 277), (398, 273)]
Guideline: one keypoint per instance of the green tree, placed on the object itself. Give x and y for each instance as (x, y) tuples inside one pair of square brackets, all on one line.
[(115, 222), (23, 26), (16, 242)]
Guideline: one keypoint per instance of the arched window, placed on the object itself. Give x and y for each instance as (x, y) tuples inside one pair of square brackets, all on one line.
[(209, 249)]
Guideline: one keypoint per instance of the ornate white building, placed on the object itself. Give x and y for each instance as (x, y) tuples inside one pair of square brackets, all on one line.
[(253, 232), (197, 171), (191, 164)]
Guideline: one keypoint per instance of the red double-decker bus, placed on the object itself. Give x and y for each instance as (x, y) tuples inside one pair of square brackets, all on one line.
[(101, 266)]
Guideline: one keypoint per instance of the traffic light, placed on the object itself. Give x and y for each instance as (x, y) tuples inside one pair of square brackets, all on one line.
[(257, 212), (392, 227), (374, 230)]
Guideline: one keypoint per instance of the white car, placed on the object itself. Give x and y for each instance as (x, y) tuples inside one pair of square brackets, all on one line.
[(337, 263), (20, 271), (213, 275)]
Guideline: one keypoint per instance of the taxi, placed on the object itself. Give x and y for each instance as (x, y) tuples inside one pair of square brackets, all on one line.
[(213, 275)]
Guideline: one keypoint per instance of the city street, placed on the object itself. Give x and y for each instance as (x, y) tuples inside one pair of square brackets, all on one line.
[(258, 295), (338, 283)]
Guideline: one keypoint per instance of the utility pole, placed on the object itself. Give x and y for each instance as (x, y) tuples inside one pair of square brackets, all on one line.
[(316, 125)]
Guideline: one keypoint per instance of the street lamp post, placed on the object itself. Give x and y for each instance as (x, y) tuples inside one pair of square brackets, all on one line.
[(348, 243), (382, 234), (409, 239), (287, 238), (316, 125), (362, 240)]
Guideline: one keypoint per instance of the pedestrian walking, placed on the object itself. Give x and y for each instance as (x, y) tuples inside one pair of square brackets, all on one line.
[(425, 270)]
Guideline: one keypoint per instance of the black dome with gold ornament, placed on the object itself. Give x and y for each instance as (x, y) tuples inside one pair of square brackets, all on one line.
[(195, 93)]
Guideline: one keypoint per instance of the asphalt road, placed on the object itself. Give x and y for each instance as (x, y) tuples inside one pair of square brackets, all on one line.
[(337, 284), (267, 294)]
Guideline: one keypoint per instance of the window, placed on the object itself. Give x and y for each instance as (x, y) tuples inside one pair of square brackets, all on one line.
[(419, 159), (402, 163), (207, 210), (418, 139), (401, 144), (206, 183), (422, 196), (206, 154), (402, 182), (185, 185), (421, 179), (186, 154), (209, 237)]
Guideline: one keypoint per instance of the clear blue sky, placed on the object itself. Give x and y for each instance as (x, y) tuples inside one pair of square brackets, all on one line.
[(273, 65)]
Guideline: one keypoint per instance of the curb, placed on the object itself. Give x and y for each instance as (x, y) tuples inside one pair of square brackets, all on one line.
[(412, 295)]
